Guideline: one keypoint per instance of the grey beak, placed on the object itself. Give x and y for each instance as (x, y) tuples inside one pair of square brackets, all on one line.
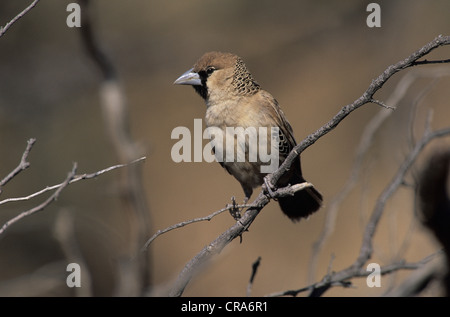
[(189, 78)]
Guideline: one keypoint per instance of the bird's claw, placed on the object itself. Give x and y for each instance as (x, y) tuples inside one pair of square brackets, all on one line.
[(268, 188), (235, 211)]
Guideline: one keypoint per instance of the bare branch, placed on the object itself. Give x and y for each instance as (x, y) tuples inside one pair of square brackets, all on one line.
[(381, 103), (281, 192), (17, 17), (24, 164), (433, 270), (41, 206), (217, 245), (367, 248), (76, 178), (328, 281), (185, 223), (365, 98), (427, 62), (71, 178), (365, 142), (357, 268)]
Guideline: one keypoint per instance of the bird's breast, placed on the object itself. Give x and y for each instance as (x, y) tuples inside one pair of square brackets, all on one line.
[(233, 113), (238, 140)]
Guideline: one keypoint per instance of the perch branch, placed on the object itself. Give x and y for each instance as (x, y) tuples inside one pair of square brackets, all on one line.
[(281, 192), (365, 98)]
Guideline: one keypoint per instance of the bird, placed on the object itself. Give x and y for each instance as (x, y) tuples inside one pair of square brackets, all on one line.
[(235, 99)]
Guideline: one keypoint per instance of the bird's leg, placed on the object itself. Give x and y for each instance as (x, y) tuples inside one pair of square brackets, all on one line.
[(268, 188), (235, 212)]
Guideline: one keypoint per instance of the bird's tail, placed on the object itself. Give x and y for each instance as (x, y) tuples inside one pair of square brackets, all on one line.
[(304, 202)]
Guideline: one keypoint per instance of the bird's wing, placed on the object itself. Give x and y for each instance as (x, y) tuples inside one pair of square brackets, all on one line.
[(276, 115)]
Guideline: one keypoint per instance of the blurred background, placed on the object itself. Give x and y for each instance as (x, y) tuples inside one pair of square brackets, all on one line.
[(313, 56)]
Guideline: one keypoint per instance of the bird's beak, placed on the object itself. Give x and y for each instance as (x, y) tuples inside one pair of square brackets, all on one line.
[(189, 78)]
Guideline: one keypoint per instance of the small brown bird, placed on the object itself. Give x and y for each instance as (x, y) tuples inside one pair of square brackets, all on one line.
[(234, 99)]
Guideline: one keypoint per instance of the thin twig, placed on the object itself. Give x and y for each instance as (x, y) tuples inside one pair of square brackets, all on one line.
[(41, 206), (76, 178), (17, 17), (423, 276), (427, 62), (381, 103), (188, 222), (24, 164)]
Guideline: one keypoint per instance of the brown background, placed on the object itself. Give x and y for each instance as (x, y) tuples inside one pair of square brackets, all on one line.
[(314, 57)]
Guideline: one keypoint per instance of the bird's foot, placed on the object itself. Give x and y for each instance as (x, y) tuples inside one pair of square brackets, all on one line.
[(235, 211), (269, 188)]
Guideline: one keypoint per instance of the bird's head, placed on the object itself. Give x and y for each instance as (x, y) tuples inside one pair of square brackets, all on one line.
[(216, 75)]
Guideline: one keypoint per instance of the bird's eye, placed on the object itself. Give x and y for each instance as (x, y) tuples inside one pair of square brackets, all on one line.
[(209, 70)]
